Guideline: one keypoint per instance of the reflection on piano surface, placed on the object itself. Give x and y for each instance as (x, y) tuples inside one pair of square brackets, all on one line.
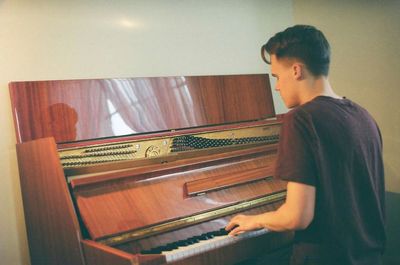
[(199, 150)]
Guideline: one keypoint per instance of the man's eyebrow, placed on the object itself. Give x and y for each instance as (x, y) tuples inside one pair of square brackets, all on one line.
[(274, 75)]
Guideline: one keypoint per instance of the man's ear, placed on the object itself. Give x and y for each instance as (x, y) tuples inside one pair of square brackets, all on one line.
[(298, 71)]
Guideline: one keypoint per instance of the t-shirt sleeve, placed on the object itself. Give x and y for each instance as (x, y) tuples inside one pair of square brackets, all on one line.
[(296, 151)]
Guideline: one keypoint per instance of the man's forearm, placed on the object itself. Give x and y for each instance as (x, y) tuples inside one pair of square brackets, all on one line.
[(295, 214), (280, 220)]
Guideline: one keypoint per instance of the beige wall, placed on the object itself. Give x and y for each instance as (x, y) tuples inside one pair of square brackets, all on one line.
[(365, 40), (58, 39)]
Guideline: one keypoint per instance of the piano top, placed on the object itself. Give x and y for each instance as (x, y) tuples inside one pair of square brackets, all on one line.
[(79, 110)]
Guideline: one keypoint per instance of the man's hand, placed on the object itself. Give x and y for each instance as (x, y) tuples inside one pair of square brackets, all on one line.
[(295, 214), (242, 223)]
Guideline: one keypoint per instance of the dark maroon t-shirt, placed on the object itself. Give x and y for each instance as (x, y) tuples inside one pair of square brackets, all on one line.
[(336, 146)]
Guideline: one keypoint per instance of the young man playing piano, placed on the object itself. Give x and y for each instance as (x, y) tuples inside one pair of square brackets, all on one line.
[(330, 152)]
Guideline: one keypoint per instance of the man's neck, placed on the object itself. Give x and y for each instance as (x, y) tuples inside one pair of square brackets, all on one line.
[(314, 87)]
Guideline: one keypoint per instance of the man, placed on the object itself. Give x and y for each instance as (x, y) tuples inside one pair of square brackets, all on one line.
[(330, 152)]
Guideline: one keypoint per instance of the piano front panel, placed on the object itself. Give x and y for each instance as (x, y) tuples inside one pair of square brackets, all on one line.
[(122, 205)]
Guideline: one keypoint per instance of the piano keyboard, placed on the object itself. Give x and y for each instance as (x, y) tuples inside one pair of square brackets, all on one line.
[(199, 244)]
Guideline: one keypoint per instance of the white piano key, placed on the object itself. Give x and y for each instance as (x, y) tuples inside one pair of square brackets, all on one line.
[(206, 245)]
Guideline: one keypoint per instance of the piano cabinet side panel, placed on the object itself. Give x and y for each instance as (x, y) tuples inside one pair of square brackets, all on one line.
[(98, 254), (51, 222)]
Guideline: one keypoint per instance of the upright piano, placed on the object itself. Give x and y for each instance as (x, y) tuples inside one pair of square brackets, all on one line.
[(147, 170)]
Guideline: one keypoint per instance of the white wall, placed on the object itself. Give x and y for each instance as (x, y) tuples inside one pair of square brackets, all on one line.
[(58, 39), (365, 40)]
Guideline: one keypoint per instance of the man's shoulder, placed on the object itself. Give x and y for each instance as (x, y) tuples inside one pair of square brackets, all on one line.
[(326, 107), (300, 113)]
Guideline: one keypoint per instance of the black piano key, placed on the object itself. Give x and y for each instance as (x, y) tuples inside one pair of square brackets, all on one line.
[(156, 250), (210, 234), (186, 242), (203, 237), (182, 243), (193, 240), (169, 247), (222, 232)]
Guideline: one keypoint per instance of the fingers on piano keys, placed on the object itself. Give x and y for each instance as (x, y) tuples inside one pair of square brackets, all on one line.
[(186, 242), (199, 244)]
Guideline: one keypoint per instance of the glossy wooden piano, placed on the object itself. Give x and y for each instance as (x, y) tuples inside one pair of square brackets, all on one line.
[(147, 170)]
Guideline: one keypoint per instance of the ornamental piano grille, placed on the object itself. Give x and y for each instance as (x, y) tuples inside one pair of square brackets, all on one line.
[(97, 155), (239, 138), (190, 142)]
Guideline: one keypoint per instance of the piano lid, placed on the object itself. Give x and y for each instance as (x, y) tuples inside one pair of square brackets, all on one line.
[(75, 110)]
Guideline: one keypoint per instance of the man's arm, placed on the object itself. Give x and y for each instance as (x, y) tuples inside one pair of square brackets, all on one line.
[(295, 214)]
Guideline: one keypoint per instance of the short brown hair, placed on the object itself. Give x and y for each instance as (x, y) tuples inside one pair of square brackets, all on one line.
[(303, 42)]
